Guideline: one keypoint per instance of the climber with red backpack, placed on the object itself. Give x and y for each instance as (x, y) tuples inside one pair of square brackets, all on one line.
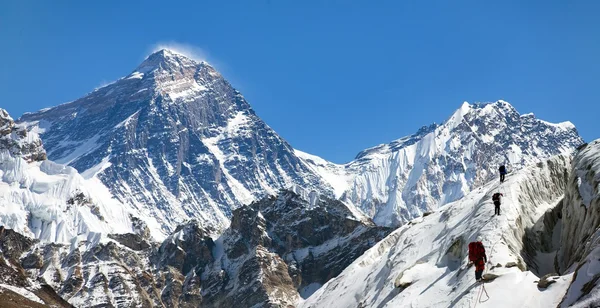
[(477, 256), (496, 199)]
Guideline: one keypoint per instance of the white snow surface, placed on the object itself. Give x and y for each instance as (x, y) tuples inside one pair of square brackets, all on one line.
[(333, 174), (431, 253), (34, 202)]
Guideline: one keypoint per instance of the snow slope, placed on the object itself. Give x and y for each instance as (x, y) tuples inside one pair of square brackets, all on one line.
[(395, 182), (49, 201), (429, 254)]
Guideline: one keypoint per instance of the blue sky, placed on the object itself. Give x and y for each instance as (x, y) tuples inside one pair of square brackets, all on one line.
[(331, 77)]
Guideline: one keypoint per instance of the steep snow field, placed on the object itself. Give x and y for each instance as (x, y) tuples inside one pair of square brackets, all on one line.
[(33, 203), (46, 200), (429, 255)]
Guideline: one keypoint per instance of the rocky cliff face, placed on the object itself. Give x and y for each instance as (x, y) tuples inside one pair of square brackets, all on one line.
[(174, 140), (17, 289), (279, 249), (20, 140), (276, 250)]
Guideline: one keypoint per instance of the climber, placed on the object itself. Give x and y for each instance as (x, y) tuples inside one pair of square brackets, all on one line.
[(477, 256), (502, 170), (496, 199)]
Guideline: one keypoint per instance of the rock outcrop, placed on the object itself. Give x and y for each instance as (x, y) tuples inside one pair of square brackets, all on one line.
[(20, 140)]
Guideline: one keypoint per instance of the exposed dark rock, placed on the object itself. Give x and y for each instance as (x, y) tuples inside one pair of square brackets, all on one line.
[(131, 240), (32, 260), (187, 248), (13, 244), (13, 137), (547, 280)]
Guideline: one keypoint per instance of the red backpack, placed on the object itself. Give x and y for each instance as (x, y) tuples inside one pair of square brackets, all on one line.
[(476, 251)]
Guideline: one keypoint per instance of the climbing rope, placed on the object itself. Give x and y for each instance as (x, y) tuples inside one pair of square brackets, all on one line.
[(482, 290), (486, 294)]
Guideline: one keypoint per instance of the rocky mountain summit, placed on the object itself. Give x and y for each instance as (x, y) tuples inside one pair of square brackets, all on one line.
[(174, 140)]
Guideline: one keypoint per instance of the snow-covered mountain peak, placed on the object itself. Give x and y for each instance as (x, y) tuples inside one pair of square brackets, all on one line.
[(175, 140), (168, 66), (458, 115), (398, 181)]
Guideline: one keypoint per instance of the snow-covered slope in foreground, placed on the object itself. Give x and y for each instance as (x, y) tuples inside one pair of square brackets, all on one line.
[(428, 256)]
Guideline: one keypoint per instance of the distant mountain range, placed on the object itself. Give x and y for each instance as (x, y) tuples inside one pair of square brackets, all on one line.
[(174, 140)]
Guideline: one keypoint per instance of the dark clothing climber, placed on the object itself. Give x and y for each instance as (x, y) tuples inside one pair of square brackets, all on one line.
[(502, 170), (478, 257), (496, 199)]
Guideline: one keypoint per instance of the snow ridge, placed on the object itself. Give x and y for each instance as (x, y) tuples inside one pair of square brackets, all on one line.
[(428, 256)]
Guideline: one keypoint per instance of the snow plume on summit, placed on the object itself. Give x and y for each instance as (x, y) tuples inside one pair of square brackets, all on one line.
[(190, 51), (399, 181)]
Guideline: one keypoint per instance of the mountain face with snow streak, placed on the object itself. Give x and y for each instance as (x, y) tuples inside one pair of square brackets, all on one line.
[(174, 140), (396, 182)]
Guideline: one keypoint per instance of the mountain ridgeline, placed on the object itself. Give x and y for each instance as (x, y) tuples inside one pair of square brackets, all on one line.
[(174, 140)]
